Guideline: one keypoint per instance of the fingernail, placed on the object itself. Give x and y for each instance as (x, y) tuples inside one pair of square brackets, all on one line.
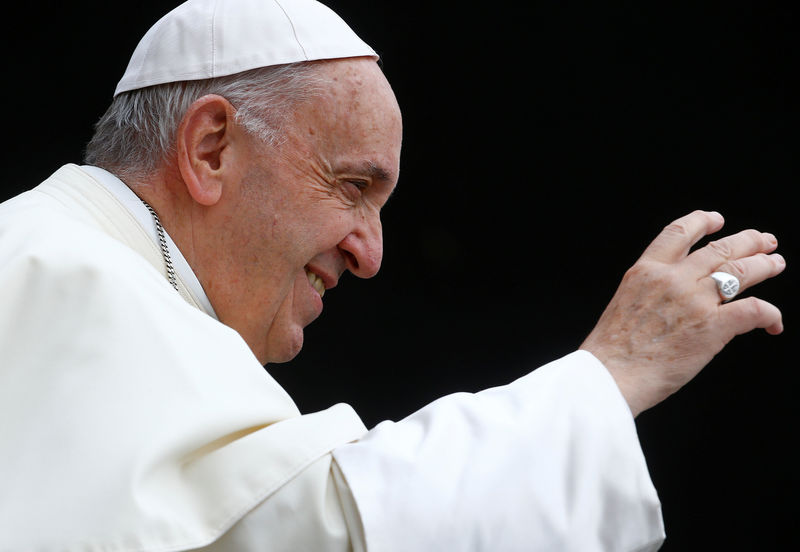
[(771, 238), (779, 260)]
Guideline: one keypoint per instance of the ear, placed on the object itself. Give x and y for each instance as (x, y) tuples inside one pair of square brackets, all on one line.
[(204, 137)]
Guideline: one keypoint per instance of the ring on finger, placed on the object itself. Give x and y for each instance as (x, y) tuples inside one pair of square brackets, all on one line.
[(727, 285)]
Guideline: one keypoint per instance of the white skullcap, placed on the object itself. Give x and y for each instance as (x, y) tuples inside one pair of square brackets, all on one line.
[(201, 39)]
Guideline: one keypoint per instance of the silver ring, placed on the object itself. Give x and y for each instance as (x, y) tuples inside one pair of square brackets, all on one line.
[(727, 284)]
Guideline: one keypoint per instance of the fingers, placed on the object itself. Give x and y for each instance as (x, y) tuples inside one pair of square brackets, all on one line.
[(749, 313), (674, 242), (727, 251), (754, 269), (667, 320)]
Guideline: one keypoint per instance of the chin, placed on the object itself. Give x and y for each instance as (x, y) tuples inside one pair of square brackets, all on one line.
[(285, 348)]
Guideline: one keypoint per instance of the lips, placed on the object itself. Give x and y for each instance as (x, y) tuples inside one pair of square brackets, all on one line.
[(316, 282)]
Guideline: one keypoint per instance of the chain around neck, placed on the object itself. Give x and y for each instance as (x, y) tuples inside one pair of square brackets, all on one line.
[(162, 241)]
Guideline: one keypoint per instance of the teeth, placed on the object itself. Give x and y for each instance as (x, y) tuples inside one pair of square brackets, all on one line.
[(316, 282)]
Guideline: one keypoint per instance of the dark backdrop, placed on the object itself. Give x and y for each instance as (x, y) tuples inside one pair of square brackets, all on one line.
[(545, 144)]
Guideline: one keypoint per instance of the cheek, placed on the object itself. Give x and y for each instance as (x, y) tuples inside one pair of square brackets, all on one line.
[(324, 230)]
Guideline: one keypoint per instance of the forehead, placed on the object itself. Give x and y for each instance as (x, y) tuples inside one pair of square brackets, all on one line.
[(355, 119)]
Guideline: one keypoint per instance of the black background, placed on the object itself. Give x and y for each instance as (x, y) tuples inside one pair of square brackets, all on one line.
[(545, 144)]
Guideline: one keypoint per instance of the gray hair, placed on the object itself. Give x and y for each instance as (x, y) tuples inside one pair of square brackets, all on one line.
[(138, 131)]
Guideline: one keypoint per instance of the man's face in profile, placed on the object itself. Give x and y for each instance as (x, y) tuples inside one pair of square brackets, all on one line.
[(309, 208)]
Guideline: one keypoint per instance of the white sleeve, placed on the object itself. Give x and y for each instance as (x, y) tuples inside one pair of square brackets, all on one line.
[(549, 462)]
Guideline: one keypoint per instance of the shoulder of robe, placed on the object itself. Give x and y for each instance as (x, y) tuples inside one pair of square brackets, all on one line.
[(131, 420), (41, 235), (57, 265)]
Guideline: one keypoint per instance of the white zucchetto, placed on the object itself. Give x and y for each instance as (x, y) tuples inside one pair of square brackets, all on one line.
[(202, 39)]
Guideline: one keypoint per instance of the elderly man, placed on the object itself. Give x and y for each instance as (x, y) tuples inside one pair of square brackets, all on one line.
[(238, 173)]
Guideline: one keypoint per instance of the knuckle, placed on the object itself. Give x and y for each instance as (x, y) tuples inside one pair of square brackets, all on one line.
[(721, 247), (642, 270), (754, 308), (755, 238), (676, 228), (736, 267), (635, 272)]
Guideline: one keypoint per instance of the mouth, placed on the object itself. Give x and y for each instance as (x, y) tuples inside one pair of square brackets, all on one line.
[(316, 282)]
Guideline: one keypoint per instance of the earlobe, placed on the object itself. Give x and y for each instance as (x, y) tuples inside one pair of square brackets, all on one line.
[(203, 137)]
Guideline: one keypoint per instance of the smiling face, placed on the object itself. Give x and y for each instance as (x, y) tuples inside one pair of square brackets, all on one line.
[(308, 209)]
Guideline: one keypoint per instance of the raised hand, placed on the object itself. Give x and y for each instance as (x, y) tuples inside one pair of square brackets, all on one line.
[(667, 319)]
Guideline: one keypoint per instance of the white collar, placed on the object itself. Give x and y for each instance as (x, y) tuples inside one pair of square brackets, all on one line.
[(134, 205)]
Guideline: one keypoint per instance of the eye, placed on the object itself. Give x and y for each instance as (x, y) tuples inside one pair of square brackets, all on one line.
[(360, 184), (354, 187)]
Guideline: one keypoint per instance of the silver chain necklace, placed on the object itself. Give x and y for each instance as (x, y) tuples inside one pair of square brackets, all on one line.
[(162, 241)]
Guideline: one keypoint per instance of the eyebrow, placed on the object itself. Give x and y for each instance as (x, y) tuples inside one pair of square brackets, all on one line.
[(376, 171), (368, 168)]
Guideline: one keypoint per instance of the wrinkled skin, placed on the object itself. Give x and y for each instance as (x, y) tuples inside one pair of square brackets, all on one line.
[(253, 220), (667, 321), (312, 203)]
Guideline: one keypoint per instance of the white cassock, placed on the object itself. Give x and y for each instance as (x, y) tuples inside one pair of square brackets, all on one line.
[(132, 420)]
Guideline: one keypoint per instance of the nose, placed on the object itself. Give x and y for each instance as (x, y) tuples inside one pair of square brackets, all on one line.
[(363, 247)]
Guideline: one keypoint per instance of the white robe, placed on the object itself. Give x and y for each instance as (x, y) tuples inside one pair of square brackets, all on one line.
[(131, 420)]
